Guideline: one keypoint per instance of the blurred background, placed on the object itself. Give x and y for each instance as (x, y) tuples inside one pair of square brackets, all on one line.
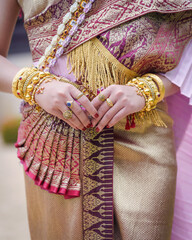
[(13, 214)]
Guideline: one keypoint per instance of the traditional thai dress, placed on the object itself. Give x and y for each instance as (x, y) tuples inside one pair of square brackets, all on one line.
[(117, 184)]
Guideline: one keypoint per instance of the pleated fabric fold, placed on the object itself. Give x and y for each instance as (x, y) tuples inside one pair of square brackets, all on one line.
[(49, 149)]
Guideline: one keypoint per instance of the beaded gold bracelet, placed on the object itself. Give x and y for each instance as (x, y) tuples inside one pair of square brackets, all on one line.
[(32, 84), (27, 82), (161, 88), (28, 85), (151, 88), (18, 80), (145, 90)]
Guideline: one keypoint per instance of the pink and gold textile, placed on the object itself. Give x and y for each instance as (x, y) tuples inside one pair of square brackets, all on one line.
[(49, 150), (144, 36), (105, 15), (144, 187)]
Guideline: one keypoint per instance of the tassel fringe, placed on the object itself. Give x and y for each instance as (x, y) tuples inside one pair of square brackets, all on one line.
[(151, 117), (96, 68)]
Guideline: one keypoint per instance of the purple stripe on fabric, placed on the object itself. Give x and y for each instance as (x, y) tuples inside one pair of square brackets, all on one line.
[(101, 209)]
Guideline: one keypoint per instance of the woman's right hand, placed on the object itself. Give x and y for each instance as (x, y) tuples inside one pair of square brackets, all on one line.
[(54, 98)]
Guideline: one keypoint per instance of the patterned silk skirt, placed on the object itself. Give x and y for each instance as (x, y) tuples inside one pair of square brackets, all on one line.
[(144, 178)]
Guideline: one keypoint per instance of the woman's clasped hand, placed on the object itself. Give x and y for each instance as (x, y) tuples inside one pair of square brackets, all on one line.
[(114, 103), (105, 110), (55, 98)]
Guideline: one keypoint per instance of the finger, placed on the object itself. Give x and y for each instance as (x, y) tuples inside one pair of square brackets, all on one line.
[(84, 101), (59, 114), (80, 114), (117, 117), (112, 113), (99, 99), (74, 120), (103, 110)]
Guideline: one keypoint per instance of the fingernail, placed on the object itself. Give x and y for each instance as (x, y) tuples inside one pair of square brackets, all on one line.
[(107, 126), (84, 128), (96, 115), (97, 129), (89, 125)]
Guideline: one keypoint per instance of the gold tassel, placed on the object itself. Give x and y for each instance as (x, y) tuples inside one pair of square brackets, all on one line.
[(151, 117), (95, 68)]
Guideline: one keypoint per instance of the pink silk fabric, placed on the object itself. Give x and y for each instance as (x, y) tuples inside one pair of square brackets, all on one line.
[(182, 74), (181, 112)]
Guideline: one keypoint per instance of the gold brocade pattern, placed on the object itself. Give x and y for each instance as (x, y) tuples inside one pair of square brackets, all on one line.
[(165, 52), (97, 184), (144, 181), (144, 187), (151, 43), (51, 217), (49, 150), (104, 16)]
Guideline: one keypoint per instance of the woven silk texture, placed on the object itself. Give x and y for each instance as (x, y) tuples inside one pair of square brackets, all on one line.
[(104, 15)]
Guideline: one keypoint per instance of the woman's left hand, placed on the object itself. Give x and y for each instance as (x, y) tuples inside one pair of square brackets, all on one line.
[(125, 100)]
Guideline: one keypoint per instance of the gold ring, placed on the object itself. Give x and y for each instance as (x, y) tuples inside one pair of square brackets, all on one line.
[(69, 104), (109, 102), (101, 97), (79, 96), (67, 114)]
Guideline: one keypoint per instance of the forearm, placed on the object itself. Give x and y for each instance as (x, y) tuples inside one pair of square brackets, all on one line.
[(170, 88), (8, 16), (7, 73)]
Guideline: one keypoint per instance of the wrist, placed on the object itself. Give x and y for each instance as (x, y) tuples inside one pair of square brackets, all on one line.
[(27, 82), (138, 100), (151, 88)]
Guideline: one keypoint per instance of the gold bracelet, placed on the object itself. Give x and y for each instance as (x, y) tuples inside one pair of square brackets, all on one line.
[(145, 90), (22, 80), (19, 77), (31, 82), (25, 80), (161, 88), (28, 85), (153, 88)]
